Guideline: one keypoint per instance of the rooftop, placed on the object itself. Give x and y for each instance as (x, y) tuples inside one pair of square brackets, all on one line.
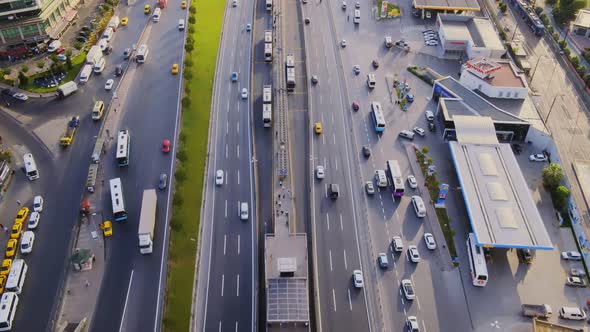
[(501, 209), (468, 5), (495, 73), (478, 30), (583, 18)]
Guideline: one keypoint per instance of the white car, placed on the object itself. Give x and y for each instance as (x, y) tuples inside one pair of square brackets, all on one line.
[(26, 244), (412, 324), (38, 204), (20, 96), (219, 177), (319, 172), (412, 182), (429, 115), (397, 244), (109, 84), (408, 289), (34, 220), (234, 3), (431, 43), (357, 278), (244, 211), (429, 240), (343, 4), (343, 43), (244, 93), (370, 188), (419, 131), (413, 254), (571, 255), (538, 157), (357, 5)]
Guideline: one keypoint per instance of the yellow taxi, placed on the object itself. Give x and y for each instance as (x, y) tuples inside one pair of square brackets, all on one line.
[(2, 283), (317, 128), (183, 4), (124, 20), (6, 265), (107, 228), (11, 248), (175, 68), (22, 214), (16, 231), (147, 9)]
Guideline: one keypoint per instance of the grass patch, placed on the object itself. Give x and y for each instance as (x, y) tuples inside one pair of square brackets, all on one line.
[(77, 63), (189, 174), (392, 9)]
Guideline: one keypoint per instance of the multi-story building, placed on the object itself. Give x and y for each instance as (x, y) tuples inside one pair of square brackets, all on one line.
[(27, 24)]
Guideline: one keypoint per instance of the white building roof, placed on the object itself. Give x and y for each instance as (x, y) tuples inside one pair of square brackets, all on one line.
[(478, 30), (583, 18)]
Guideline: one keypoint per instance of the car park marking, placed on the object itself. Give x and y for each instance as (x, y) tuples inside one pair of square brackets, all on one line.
[(330, 254), (349, 301), (334, 299)]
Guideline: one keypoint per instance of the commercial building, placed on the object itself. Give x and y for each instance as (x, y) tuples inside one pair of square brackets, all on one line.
[(494, 79), (455, 100), (468, 36), (24, 24), (498, 200), (581, 26), (445, 6)]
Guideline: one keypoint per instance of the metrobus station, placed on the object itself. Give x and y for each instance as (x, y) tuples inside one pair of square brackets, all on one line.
[(423, 8)]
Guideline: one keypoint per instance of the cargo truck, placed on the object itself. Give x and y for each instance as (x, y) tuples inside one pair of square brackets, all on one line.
[(68, 136), (114, 23), (147, 221), (66, 89), (94, 55), (537, 310)]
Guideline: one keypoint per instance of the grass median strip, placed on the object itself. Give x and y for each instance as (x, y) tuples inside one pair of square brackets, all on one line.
[(204, 31)]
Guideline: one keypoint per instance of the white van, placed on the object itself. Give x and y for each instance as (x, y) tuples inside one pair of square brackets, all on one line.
[(108, 34), (419, 206), (30, 167), (102, 44), (16, 277), (371, 81), (357, 16), (97, 110), (406, 134), (85, 74), (8, 306), (381, 178), (181, 24), (53, 46), (157, 14), (572, 313), (244, 211), (99, 67)]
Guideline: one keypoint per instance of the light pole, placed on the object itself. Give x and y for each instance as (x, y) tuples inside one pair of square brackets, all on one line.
[(551, 108)]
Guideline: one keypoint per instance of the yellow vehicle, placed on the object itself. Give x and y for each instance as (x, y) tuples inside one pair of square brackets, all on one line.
[(124, 21), (317, 128), (2, 283), (16, 231), (183, 4), (147, 9), (107, 228), (175, 68), (11, 248), (22, 215), (6, 265)]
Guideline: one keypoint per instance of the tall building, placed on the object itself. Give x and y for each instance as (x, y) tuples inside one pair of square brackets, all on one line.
[(27, 24)]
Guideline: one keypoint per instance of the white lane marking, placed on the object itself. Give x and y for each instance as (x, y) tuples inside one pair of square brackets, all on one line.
[(334, 136), (238, 286), (417, 299), (224, 244), (226, 151), (349, 301), (236, 326), (222, 283), (336, 163), (328, 221), (324, 139), (219, 326), (330, 254), (238, 151), (238, 127), (424, 325), (238, 176), (345, 264), (332, 118), (325, 162), (326, 189), (321, 99), (334, 299), (341, 227), (126, 299), (226, 208), (322, 116), (227, 127), (238, 244)]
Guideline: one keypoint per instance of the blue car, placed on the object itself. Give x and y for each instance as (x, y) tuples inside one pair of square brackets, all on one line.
[(410, 97)]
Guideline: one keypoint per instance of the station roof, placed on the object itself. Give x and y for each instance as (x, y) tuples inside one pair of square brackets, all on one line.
[(287, 300), (501, 209), (466, 5)]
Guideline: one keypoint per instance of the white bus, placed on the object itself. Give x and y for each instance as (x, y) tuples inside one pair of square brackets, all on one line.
[(268, 45), (268, 5), (378, 118), (395, 178), (30, 167), (267, 115), (8, 305), (142, 53), (123, 145), (267, 94), (477, 262), (119, 212), (16, 277)]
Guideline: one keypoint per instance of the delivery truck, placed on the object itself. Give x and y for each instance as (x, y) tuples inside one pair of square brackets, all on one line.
[(94, 55), (537, 310), (147, 221), (66, 89)]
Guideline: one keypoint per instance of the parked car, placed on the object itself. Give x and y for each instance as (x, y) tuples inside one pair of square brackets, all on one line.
[(571, 255), (576, 282), (369, 187), (578, 272), (412, 182), (541, 157)]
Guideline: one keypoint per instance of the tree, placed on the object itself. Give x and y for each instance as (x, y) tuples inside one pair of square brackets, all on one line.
[(565, 10), (538, 10), (6, 71), (425, 149), (560, 195), (503, 7), (40, 64), (25, 68), (69, 52), (552, 175), (23, 79), (575, 61)]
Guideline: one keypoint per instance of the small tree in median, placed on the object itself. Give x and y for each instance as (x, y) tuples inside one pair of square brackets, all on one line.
[(560, 196), (552, 176)]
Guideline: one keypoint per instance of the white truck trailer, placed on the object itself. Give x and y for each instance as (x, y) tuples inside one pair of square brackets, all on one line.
[(147, 221), (66, 89), (94, 55)]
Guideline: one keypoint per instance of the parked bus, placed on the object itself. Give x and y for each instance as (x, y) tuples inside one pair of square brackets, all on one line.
[(117, 199), (267, 105), (8, 305), (30, 167), (16, 277), (378, 118), (268, 5), (477, 262), (123, 145), (290, 68), (268, 45), (395, 178), (142, 53)]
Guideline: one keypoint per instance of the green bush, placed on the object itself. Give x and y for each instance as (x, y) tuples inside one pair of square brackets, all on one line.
[(180, 177), (503, 8), (186, 102), (188, 62), (192, 10), (538, 10), (192, 20), (552, 176), (189, 47), (24, 69), (581, 69), (562, 44), (503, 35), (187, 89), (555, 36), (567, 51), (40, 64), (575, 61), (559, 196), (187, 75), (78, 45), (5, 155), (181, 154), (550, 29)]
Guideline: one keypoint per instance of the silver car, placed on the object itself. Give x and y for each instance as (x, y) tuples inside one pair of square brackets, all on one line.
[(369, 187)]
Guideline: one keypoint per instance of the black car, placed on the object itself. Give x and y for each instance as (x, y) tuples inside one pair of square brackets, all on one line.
[(118, 70), (366, 151), (127, 53), (108, 50), (375, 64), (81, 39), (84, 33), (87, 28), (431, 126)]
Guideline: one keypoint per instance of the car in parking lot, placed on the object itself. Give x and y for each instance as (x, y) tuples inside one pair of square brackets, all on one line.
[(419, 131), (62, 57), (431, 43), (26, 244), (571, 255), (576, 282), (81, 39), (369, 187), (21, 215), (163, 183), (366, 151), (382, 259), (412, 324), (413, 254), (219, 177), (11, 248), (244, 93), (429, 240), (412, 182), (319, 172), (5, 267), (541, 157), (16, 231), (408, 289), (397, 244), (410, 98), (357, 278), (234, 76), (34, 220)]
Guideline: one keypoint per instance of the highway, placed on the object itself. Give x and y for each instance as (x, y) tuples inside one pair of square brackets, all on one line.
[(226, 281)]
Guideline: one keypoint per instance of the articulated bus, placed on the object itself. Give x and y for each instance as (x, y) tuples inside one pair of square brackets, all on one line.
[(477, 262), (378, 118), (119, 212), (395, 178), (123, 145)]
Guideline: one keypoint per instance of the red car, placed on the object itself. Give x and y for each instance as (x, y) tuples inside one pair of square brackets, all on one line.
[(355, 105), (60, 50), (165, 146)]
